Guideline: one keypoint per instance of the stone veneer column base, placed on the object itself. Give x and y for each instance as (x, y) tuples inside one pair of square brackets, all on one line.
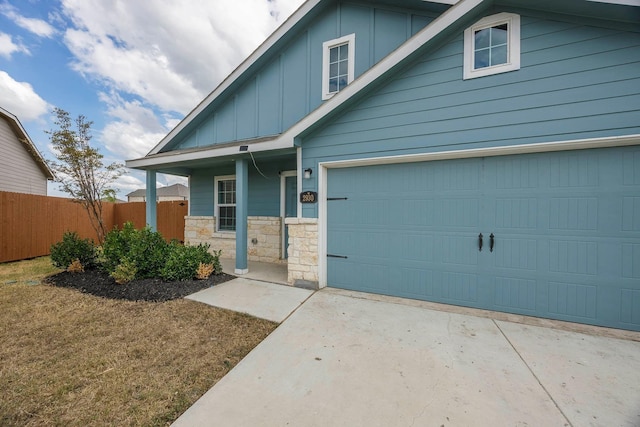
[(263, 237), (303, 251)]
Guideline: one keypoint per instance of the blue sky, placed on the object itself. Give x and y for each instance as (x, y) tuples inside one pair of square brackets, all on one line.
[(134, 68)]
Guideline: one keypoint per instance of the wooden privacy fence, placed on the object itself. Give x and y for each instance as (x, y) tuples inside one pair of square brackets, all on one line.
[(30, 224)]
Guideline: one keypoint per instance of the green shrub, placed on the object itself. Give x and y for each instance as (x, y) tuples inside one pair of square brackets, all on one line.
[(145, 249), (72, 248), (124, 272), (217, 266), (116, 247), (148, 251), (182, 261)]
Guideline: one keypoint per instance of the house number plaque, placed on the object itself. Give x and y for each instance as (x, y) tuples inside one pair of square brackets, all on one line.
[(308, 197)]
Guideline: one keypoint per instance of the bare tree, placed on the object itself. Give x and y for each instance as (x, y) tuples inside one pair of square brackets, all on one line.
[(79, 168)]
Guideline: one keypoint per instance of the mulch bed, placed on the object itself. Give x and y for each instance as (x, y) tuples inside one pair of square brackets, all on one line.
[(97, 283)]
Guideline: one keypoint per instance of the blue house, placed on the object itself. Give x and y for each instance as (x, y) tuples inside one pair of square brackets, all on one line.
[(483, 153)]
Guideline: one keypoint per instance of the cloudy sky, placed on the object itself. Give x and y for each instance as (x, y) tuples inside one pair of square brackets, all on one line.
[(134, 68)]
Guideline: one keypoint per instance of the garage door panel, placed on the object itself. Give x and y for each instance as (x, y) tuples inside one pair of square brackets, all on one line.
[(566, 227), (518, 253), (574, 170), (459, 250), (415, 282), (631, 167), (630, 306), (573, 213), (513, 293), (573, 300), (631, 214), (631, 260), (516, 213), (457, 287), (436, 285), (368, 277), (418, 247), (580, 257)]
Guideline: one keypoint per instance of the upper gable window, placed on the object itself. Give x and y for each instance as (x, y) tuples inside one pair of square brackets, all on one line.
[(337, 64), (492, 46)]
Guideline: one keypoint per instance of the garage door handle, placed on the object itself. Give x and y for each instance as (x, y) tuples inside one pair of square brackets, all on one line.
[(480, 242), (492, 241)]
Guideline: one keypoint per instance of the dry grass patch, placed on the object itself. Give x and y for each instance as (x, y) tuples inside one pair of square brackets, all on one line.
[(30, 271), (79, 360)]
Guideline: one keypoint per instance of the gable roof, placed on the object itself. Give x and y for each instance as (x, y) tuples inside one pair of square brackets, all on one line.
[(23, 137), (460, 13), (277, 38), (175, 190)]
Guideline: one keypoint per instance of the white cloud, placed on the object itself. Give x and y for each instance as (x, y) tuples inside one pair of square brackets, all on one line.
[(20, 99), (129, 140), (8, 47), (134, 129), (128, 183), (36, 26), (170, 54)]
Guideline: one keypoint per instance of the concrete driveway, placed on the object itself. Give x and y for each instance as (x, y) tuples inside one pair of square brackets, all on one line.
[(344, 359)]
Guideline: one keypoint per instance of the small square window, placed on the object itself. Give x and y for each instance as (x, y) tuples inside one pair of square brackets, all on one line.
[(492, 46), (337, 65)]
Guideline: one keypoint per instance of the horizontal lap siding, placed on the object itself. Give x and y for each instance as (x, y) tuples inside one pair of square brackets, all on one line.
[(18, 170), (290, 86), (575, 82)]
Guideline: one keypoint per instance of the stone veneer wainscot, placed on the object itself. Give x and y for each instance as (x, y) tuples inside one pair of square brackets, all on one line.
[(303, 250), (263, 237)]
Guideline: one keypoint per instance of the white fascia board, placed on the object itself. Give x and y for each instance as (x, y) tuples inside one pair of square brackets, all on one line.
[(540, 147), (227, 150), (287, 25), (448, 18), (621, 2)]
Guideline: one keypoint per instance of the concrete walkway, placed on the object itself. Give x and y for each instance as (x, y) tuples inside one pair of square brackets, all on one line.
[(262, 271), (260, 299), (343, 359)]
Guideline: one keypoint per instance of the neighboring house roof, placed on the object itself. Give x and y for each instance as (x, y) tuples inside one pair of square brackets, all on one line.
[(175, 190), (23, 137), (461, 13)]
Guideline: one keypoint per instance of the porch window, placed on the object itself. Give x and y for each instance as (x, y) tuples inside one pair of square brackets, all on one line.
[(226, 203), (492, 46), (337, 64)]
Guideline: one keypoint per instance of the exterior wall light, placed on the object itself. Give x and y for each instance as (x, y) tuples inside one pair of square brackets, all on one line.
[(307, 173)]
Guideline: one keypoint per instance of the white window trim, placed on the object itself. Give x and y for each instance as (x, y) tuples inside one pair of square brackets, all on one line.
[(216, 204), (326, 46), (513, 47)]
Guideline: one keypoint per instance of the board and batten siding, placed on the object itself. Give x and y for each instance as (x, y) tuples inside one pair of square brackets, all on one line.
[(290, 86), (19, 173), (575, 81)]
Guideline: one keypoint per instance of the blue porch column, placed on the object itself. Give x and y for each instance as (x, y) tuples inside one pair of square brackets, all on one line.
[(242, 200), (152, 217)]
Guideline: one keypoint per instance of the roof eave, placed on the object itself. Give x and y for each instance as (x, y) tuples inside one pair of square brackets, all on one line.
[(278, 34), (173, 157)]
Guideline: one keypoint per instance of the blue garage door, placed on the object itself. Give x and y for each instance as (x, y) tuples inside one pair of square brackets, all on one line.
[(560, 233)]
